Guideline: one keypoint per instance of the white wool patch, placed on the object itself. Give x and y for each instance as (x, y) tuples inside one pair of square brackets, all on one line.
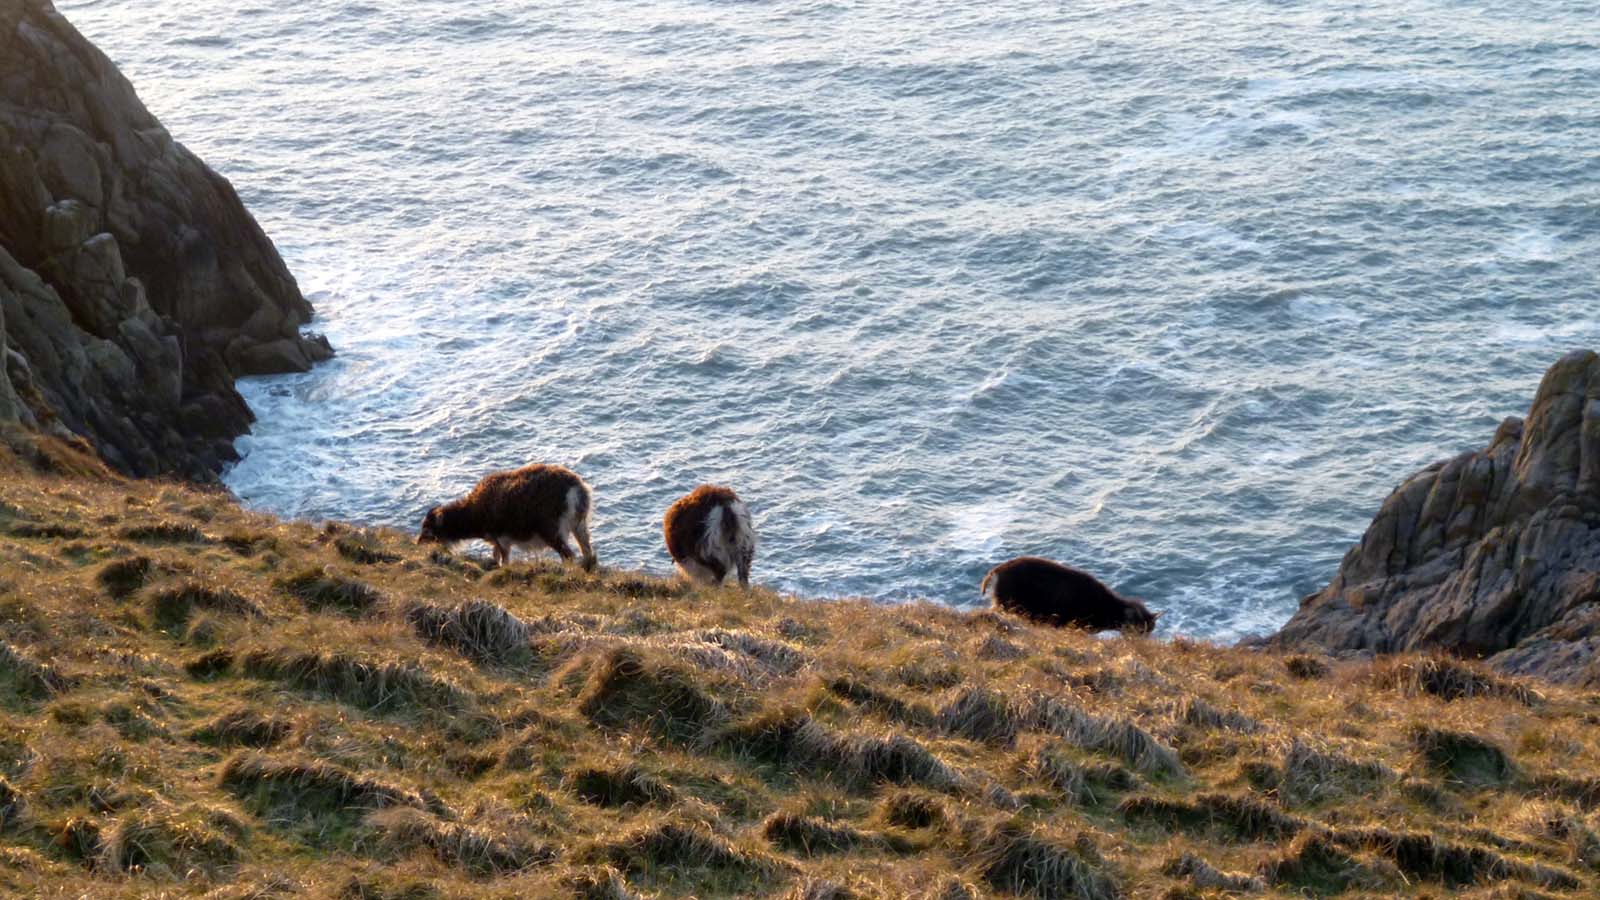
[(712, 545), (569, 515), (714, 540)]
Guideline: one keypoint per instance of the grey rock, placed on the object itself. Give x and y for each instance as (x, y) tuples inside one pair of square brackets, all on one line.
[(1493, 554), (134, 286), (160, 362), (116, 370), (282, 355), (67, 224), (70, 165)]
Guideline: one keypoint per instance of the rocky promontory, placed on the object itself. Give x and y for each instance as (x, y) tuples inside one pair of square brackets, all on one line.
[(134, 286), (1493, 554)]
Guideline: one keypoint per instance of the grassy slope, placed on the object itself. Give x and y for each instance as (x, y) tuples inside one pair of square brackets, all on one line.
[(195, 699)]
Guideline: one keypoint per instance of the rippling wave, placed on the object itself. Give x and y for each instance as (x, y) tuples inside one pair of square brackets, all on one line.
[(1173, 292)]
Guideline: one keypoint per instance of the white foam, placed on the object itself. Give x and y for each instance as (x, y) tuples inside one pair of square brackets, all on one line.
[(1321, 309), (1530, 245), (979, 530)]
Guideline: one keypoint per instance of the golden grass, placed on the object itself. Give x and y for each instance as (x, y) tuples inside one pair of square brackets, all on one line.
[(199, 701)]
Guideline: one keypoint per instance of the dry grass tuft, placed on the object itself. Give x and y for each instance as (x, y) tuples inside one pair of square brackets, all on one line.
[(28, 679), (1306, 668), (483, 632), (1448, 679), (1566, 827), (1207, 877), (297, 789), (1018, 859), (1582, 790), (680, 845), (882, 702), (914, 811), (794, 742), (1314, 864), (626, 785), (170, 841), (821, 889), (363, 550), (1464, 758), (210, 664), (778, 657), (1113, 736), (46, 531), (242, 728), (123, 577), (78, 838), (1311, 775), (1088, 785), (1197, 713), (626, 690), (171, 607), (323, 591), (1430, 857), (403, 830), (810, 836), (981, 715), (387, 887), (1228, 815), (598, 883), (165, 533), (373, 686), (13, 806)]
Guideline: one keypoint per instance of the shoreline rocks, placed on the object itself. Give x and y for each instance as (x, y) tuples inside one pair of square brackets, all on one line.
[(1494, 554), (134, 285)]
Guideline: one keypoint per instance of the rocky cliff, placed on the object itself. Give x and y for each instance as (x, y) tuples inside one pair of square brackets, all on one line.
[(1495, 553), (134, 286)]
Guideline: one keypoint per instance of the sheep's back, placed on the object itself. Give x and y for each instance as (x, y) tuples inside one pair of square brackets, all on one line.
[(526, 502), (685, 521)]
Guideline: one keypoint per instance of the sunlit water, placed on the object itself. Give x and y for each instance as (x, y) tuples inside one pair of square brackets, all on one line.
[(1175, 292)]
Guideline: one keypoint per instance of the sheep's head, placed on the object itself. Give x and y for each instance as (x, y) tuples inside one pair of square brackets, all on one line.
[(1137, 618), (430, 525)]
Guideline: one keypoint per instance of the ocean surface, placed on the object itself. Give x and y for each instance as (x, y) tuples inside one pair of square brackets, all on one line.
[(1174, 292)]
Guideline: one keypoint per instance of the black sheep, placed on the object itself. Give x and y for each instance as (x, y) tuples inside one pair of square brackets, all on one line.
[(1050, 593)]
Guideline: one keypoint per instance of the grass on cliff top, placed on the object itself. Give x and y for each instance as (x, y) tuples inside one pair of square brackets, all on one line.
[(199, 701)]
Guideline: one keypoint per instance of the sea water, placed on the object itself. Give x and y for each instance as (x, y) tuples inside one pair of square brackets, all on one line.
[(1173, 292)]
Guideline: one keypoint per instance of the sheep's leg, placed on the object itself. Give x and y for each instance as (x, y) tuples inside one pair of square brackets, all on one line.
[(558, 543), (580, 531), (744, 570), (696, 571), (502, 556)]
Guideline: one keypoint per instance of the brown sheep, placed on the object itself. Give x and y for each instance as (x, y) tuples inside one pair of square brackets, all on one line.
[(709, 534), (1050, 593), (532, 507)]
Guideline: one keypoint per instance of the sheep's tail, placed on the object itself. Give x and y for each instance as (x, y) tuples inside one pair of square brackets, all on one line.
[(737, 531), (729, 538)]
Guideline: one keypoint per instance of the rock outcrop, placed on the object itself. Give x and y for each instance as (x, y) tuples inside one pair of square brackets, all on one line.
[(134, 286), (1494, 554)]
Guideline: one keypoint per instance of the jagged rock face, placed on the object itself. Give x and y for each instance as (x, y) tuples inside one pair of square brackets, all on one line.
[(1495, 553), (135, 287)]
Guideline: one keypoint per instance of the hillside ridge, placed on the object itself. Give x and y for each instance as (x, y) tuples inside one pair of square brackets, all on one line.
[(203, 701)]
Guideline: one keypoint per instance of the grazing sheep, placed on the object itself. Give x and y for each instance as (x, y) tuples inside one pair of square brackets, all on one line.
[(709, 534), (532, 507), (1050, 593)]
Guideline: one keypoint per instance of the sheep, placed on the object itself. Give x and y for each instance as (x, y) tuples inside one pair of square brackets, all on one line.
[(1050, 593), (532, 507), (709, 534)]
